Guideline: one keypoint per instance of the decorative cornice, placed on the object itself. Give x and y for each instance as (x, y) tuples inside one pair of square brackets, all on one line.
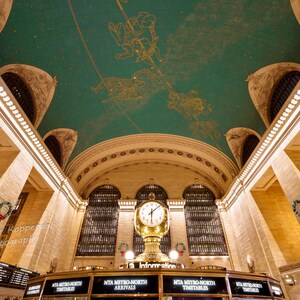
[(207, 179), (287, 120), (152, 150), (127, 204), (14, 117), (147, 143)]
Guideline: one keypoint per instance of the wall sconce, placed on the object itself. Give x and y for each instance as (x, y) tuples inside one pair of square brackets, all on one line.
[(289, 280)]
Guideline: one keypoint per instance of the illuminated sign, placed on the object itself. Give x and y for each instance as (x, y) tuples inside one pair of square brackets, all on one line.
[(125, 285), (276, 290), (14, 277), (249, 287), (152, 265), (67, 286), (201, 285), (33, 289)]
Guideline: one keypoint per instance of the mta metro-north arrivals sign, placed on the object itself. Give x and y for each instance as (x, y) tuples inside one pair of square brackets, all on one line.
[(125, 285)]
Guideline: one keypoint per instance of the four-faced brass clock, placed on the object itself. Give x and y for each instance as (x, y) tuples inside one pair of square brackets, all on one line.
[(152, 222), (151, 213)]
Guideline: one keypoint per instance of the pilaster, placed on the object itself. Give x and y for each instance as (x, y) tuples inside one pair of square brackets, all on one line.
[(178, 229), (125, 228)]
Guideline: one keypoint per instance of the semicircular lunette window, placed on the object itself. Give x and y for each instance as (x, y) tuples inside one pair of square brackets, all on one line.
[(21, 93), (54, 147), (204, 229), (143, 195), (282, 91), (250, 144), (98, 235)]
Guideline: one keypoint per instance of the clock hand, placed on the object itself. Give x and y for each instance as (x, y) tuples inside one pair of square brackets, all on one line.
[(155, 208)]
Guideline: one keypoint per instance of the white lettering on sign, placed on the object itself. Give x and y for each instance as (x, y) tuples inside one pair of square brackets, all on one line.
[(249, 286), (194, 284), (147, 265), (66, 286), (277, 291), (125, 284), (35, 289)]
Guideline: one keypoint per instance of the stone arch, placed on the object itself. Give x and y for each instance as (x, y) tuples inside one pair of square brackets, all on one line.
[(67, 139), (6, 6), (235, 138), (41, 85), (262, 83), (136, 154), (296, 9)]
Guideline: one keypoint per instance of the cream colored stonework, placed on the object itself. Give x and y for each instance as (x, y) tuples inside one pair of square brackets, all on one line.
[(5, 8)]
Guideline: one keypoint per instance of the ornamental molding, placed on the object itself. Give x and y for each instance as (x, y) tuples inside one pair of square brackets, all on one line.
[(283, 129), (235, 138), (98, 178), (18, 125), (40, 84), (262, 83), (151, 148), (67, 139)]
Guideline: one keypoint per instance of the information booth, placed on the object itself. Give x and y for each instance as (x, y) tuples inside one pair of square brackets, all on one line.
[(158, 284)]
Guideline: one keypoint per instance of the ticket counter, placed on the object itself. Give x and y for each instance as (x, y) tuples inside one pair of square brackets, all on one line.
[(160, 284)]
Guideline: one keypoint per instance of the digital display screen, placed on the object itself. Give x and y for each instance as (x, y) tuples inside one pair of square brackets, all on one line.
[(249, 287), (33, 289), (14, 277), (67, 286), (125, 285), (194, 285)]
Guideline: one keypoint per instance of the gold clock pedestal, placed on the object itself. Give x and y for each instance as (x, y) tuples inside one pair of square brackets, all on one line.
[(152, 252), (152, 222)]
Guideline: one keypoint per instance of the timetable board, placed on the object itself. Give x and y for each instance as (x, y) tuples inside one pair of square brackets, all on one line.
[(14, 277)]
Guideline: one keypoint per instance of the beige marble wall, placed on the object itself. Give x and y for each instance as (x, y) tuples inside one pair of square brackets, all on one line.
[(14, 179)]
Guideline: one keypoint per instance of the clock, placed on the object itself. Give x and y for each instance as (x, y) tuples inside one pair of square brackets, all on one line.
[(151, 213)]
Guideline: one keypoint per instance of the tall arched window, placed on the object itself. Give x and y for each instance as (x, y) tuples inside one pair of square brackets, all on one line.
[(21, 93), (250, 144), (282, 91), (143, 195), (54, 147), (204, 228), (99, 231)]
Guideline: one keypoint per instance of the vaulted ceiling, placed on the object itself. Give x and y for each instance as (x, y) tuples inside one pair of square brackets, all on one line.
[(128, 66)]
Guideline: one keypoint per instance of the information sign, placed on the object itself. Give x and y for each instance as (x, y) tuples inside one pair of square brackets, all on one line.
[(195, 285), (249, 287), (67, 286), (33, 289), (125, 285)]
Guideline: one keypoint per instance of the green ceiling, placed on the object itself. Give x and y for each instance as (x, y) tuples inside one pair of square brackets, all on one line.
[(176, 66)]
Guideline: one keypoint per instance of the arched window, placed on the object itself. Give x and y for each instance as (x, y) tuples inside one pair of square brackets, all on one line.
[(99, 231), (250, 144), (21, 93), (143, 195), (204, 229), (282, 91), (54, 147)]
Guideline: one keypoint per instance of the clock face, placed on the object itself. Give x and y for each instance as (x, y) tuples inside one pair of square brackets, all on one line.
[(151, 213)]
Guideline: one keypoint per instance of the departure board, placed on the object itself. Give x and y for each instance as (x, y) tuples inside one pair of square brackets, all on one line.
[(13, 276)]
